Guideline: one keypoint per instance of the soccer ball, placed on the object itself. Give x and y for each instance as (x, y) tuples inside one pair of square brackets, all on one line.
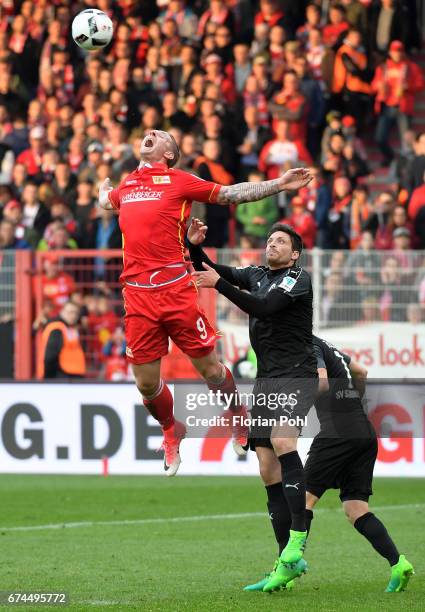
[(92, 29)]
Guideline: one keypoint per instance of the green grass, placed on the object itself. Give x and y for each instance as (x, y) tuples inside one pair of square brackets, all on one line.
[(195, 565)]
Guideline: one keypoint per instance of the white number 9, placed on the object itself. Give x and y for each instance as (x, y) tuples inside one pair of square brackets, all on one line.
[(200, 324)]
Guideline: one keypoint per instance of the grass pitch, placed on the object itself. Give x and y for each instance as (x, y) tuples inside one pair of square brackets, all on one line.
[(110, 544)]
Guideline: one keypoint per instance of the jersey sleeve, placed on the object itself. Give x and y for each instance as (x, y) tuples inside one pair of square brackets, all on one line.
[(244, 277), (347, 358), (194, 188), (295, 284), (320, 357), (114, 198)]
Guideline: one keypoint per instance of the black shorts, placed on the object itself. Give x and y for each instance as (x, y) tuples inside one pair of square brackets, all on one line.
[(300, 393), (347, 465)]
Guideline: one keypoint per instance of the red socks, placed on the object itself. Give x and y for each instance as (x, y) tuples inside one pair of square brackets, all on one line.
[(228, 387), (160, 405)]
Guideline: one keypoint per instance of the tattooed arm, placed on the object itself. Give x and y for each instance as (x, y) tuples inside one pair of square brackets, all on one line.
[(251, 192)]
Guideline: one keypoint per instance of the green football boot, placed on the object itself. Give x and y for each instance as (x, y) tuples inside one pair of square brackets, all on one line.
[(258, 586), (295, 547), (284, 574), (400, 575)]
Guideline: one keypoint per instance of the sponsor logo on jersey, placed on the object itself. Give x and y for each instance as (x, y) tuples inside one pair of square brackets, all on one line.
[(160, 180), (130, 182), (288, 283), (129, 352), (141, 195)]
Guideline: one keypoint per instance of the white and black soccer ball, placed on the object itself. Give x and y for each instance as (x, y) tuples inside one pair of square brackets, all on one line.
[(92, 29)]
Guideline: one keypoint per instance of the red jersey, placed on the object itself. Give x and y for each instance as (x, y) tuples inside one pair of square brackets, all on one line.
[(57, 290), (154, 204)]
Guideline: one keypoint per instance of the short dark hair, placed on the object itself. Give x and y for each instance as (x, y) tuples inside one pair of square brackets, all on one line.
[(176, 150), (296, 240)]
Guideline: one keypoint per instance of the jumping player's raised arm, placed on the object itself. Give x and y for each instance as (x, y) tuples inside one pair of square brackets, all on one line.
[(195, 188), (251, 192)]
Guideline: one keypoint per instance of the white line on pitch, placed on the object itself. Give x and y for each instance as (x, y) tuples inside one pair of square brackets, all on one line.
[(180, 519)]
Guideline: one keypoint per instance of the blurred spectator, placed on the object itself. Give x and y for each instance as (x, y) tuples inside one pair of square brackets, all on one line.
[(318, 198), (387, 22), (351, 77), (369, 309), (381, 211), (291, 105), (209, 169), (56, 237), (213, 67), (62, 355), (396, 83), (302, 221), (363, 265), (415, 170), (334, 31), (35, 215), (415, 314), (339, 216), (253, 136), (7, 159), (361, 209), (356, 14), (84, 203), (281, 153), (184, 17), (242, 66), (55, 285), (8, 238), (397, 222), (102, 321), (32, 158), (416, 212), (116, 366), (271, 15), (64, 182), (392, 302), (313, 18), (312, 91), (334, 310), (257, 217)]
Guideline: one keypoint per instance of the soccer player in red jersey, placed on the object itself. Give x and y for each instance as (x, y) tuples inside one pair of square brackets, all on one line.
[(160, 297)]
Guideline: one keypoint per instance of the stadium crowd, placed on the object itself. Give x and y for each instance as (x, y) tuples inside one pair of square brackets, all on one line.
[(248, 89)]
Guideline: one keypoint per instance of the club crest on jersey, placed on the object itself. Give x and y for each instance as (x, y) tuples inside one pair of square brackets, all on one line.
[(141, 195), (161, 180), (288, 283)]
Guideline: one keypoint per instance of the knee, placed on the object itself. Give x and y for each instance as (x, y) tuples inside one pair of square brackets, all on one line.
[(355, 511), (282, 446), (349, 515), (268, 475), (211, 372), (147, 386)]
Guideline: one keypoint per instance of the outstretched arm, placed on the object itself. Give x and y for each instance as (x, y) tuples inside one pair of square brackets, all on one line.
[(251, 192), (275, 300)]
